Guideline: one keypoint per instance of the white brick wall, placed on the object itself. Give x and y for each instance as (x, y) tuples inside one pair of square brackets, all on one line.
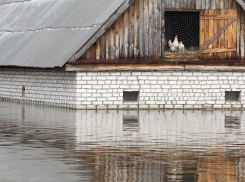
[(52, 87), (104, 90), (179, 89)]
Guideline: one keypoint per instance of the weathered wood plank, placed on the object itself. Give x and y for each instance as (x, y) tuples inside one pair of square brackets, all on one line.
[(203, 4), (88, 53), (124, 67), (212, 4), (153, 67), (98, 49), (193, 4), (153, 61), (242, 35), (181, 4), (117, 40), (136, 29), (121, 37), (222, 35), (238, 32), (198, 4), (102, 47), (157, 29), (206, 33), (217, 4), (151, 28), (126, 29), (215, 43), (210, 50), (107, 41), (112, 48), (162, 30), (214, 68), (224, 17), (201, 34), (211, 31), (234, 36), (146, 28), (208, 4), (222, 4), (131, 31), (141, 29)]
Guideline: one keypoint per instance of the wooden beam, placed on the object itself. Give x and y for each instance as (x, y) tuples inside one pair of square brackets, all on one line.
[(154, 61), (218, 34), (124, 67), (215, 17), (154, 67), (219, 50)]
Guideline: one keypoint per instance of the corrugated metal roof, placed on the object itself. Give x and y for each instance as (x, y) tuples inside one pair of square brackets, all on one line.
[(242, 3), (48, 33)]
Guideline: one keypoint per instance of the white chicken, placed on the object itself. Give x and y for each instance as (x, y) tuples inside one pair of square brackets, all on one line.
[(174, 46), (171, 46), (181, 47)]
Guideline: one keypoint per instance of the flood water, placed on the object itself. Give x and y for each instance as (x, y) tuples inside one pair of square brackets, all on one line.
[(39, 143)]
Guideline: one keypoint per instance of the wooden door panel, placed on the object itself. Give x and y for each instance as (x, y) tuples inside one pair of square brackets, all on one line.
[(218, 34)]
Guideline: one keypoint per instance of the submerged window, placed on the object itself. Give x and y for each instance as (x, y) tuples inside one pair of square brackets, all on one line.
[(130, 95), (232, 96)]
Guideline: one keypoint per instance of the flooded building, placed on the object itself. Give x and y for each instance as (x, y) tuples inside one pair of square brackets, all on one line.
[(124, 54)]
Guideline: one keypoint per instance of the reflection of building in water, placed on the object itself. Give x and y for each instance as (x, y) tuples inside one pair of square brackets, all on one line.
[(240, 166), (233, 122), (216, 169), (132, 167), (130, 123)]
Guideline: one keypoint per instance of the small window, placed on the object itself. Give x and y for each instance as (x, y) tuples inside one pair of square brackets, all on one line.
[(130, 96), (232, 96)]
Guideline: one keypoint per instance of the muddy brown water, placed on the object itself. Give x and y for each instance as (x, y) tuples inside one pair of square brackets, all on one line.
[(39, 143)]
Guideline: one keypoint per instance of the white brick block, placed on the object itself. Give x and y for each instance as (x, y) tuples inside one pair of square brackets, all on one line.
[(191, 102)]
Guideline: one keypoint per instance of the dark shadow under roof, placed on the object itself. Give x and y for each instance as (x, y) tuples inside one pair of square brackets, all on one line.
[(46, 34)]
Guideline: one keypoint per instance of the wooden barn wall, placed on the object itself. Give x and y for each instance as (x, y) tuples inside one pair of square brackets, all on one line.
[(139, 34)]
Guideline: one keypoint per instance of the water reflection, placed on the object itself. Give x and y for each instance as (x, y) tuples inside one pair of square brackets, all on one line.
[(41, 143)]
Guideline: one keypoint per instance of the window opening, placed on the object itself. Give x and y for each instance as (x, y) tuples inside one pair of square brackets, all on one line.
[(232, 96), (186, 26), (130, 95)]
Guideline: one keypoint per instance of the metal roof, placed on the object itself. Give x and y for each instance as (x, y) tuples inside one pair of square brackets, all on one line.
[(48, 33), (242, 3)]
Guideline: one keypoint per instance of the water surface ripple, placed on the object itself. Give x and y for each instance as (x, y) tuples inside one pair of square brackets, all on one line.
[(39, 143)]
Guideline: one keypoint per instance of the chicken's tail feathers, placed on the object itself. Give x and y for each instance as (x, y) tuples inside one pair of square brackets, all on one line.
[(169, 43)]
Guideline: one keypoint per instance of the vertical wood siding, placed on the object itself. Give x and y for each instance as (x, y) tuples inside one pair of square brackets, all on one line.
[(139, 31)]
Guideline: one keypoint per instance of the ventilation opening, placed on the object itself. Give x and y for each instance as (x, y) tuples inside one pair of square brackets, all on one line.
[(186, 26), (130, 96), (23, 91), (232, 96)]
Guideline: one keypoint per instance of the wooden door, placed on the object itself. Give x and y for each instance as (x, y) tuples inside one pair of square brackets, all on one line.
[(218, 34)]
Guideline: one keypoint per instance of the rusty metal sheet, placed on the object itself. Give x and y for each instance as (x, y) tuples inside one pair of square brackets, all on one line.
[(48, 33)]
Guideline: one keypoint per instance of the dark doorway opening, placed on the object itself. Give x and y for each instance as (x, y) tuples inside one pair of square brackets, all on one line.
[(186, 26)]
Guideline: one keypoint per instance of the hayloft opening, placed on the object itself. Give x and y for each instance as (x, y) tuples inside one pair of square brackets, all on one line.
[(186, 26)]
